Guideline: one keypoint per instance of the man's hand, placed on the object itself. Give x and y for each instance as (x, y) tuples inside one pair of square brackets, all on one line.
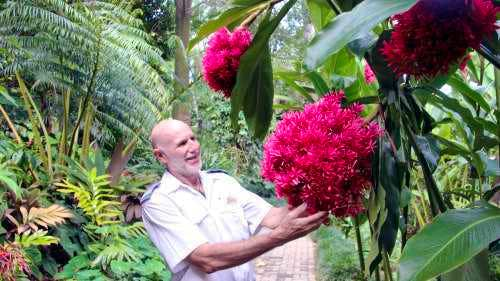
[(297, 223), (275, 216)]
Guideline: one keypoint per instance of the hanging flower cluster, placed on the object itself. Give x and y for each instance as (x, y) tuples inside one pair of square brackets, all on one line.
[(222, 58), (322, 156), (12, 261), (435, 34), (369, 75)]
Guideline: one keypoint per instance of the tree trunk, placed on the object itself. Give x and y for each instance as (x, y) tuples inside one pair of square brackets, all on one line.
[(181, 109)]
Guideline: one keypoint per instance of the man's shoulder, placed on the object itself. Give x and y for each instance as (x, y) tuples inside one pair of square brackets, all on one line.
[(150, 191), (218, 175), (216, 171)]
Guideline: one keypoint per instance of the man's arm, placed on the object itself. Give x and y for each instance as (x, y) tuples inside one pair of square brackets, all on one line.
[(211, 257)]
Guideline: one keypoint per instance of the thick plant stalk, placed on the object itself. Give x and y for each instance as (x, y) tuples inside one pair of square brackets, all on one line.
[(90, 92), (435, 198), (63, 140), (11, 125), (87, 126), (497, 90), (424, 205), (387, 266), (420, 219), (377, 274), (31, 107), (360, 246)]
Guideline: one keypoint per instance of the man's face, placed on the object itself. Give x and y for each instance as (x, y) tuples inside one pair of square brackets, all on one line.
[(181, 153)]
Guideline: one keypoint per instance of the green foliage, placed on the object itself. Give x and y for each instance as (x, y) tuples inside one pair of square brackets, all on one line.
[(36, 238), (149, 267), (453, 238), (336, 259), (349, 26), (96, 198)]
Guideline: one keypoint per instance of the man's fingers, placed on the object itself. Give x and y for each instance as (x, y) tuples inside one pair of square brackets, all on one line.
[(297, 212), (317, 217)]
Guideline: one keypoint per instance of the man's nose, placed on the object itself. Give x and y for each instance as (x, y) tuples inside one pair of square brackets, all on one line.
[(193, 144)]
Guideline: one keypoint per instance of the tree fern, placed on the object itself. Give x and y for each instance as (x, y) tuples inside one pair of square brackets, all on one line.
[(59, 44)]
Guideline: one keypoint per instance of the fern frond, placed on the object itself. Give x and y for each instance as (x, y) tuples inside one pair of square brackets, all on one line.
[(37, 238), (117, 249), (136, 230)]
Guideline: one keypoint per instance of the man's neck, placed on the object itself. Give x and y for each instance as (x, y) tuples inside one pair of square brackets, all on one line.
[(193, 181)]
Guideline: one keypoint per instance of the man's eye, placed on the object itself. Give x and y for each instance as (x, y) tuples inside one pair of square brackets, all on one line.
[(182, 143)]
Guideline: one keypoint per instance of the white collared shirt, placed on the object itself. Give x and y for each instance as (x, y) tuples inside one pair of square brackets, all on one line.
[(179, 219)]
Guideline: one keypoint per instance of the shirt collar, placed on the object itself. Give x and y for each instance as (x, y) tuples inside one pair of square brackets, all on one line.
[(169, 183)]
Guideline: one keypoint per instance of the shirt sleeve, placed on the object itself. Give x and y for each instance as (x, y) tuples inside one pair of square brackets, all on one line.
[(172, 233), (254, 207)]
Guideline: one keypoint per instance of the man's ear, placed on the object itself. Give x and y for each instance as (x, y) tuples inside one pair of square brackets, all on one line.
[(160, 156)]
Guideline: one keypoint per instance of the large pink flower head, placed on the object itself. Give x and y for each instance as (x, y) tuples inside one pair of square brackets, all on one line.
[(435, 34), (222, 58), (322, 156)]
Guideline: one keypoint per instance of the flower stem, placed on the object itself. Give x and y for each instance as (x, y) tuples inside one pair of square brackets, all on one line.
[(497, 89), (360, 247)]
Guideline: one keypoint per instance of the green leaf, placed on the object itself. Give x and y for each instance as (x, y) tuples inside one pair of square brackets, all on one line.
[(9, 179), (5, 98), (238, 11), (349, 26), (366, 100), (320, 13), (360, 45), (452, 239), (254, 89), (430, 150), (473, 270), (288, 78), (458, 84), (319, 84)]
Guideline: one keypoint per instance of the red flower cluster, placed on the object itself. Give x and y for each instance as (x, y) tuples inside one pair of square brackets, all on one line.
[(222, 58), (369, 75), (12, 261), (322, 156), (435, 34)]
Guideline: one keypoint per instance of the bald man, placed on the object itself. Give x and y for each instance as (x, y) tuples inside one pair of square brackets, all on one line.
[(205, 225)]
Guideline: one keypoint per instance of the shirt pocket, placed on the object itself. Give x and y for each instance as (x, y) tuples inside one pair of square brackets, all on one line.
[(195, 213), (234, 222)]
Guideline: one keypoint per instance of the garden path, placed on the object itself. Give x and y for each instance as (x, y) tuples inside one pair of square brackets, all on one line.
[(293, 261)]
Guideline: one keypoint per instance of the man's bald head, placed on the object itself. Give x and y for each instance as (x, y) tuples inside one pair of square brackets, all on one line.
[(176, 147), (165, 130)]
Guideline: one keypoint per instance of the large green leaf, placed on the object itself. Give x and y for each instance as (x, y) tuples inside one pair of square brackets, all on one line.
[(349, 26), (458, 84), (290, 78), (235, 13), (430, 150), (8, 179), (449, 241), (253, 91), (320, 13), (318, 82), (258, 102)]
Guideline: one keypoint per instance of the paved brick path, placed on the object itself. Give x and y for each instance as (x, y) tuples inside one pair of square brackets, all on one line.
[(293, 261)]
